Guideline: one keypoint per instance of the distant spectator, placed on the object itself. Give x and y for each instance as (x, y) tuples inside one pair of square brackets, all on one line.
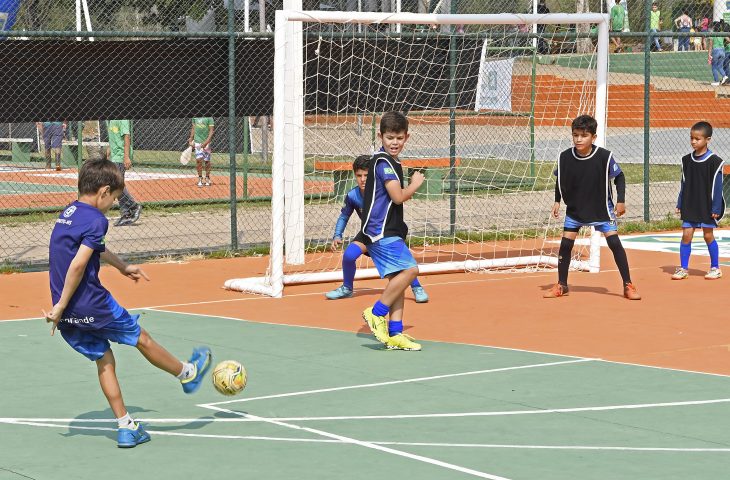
[(120, 152), (542, 45), (655, 24), (716, 57), (201, 133), (703, 27), (52, 133), (618, 17), (683, 23)]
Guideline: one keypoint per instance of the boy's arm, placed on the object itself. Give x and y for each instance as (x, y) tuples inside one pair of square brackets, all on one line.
[(341, 224), (192, 136), (400, 195), (555, 212), (211, 129), (717, 195), (127, 149), (73, 277), (131, 271), (620, 182), (679, 197)]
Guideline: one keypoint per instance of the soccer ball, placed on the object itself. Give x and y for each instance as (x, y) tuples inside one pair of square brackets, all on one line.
[(229, 377)]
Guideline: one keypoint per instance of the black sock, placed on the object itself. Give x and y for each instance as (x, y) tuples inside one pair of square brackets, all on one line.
[(619, 255), (566, 247)]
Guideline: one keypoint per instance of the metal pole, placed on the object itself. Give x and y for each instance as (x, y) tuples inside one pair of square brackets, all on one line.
[(264, 119), (647, 120), (232, 122), (452, 124), (533, 94), (79, 138)]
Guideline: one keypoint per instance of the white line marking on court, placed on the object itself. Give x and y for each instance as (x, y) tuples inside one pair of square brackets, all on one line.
[(555, 447), (536, 411), (370, 445), (395, 382)]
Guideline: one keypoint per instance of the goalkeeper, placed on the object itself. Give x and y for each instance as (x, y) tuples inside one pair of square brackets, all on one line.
[(354, 202)]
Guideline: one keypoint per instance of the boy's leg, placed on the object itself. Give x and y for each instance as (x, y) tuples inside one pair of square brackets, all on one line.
[(396, 339), (349, 266), (47, 152), (418, 292), (57, 155), (685, 251), (714, 251), (619, 256), (207, 169), (564, 256), (199, 166)]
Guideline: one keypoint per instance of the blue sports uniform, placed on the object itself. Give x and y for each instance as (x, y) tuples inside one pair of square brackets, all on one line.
[(92, 317), (701, 185), (353, 203), (383, 225)]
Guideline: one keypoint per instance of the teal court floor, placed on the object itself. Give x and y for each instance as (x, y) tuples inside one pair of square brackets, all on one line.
[(325, 404)]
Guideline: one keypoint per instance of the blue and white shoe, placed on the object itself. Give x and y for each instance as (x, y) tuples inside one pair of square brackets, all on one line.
[(201, 358), (131, 437), (420, 294), (341, 292)]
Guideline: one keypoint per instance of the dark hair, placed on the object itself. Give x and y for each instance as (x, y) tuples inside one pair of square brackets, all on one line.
[(95, 174), (394, 122), (361, 163), (703, 127), (586, 123)]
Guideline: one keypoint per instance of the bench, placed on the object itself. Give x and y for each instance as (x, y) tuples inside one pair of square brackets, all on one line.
[(434, 169), (20, 148), (69, 151)]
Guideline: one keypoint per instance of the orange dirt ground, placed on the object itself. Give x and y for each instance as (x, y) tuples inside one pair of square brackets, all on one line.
[(678, 324)]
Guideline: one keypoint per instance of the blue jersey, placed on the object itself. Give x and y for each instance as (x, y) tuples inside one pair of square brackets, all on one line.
[(91, 306), (353, 203), (383, 218)]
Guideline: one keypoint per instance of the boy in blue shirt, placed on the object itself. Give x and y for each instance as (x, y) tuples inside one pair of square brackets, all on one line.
[(583, 176), (86, 314), (384, 229), (354, 203), (700, 203)]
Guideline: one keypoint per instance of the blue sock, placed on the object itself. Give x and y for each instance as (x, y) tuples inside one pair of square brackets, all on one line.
[(380, 309), (415, 283), (685, 250), (714, 254), (352, 253), (395, 327)]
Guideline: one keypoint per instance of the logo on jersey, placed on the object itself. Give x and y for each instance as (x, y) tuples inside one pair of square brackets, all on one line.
[(389, 170), (69, 211)]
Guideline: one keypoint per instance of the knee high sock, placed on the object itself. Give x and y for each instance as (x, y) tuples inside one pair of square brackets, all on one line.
[(566, 246), (714, 254), (685, 250), (415, 283), (352, 253), (619, 256)]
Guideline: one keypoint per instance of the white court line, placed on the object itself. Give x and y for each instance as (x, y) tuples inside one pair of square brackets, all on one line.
[(407, 444), (341, 438), (394, 382), (536, 411)]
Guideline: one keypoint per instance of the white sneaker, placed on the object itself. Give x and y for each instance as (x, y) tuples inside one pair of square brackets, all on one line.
[(724, 80), (207, 182), (200, 182), (680, 274), (713, 274), (715, 84)]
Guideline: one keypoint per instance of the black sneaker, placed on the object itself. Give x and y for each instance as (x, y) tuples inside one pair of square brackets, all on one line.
[(122, 221), (134, 216)]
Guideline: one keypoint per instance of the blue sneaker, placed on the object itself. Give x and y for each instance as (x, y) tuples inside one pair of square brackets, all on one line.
[(341, 292), (130, 438), (420, 294), (201, 358)]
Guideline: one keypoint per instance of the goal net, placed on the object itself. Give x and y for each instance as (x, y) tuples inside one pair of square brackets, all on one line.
[(489, 99)]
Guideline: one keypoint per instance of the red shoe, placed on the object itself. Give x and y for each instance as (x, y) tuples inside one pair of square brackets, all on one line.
[(630, 292), (556, 291)]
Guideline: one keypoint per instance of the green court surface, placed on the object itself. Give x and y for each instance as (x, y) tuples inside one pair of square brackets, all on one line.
[(21, 188), (323, 404)]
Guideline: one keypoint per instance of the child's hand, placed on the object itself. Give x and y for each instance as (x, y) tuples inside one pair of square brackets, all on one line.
[(679, 212), (619, 209), (715, 215), (556, 210), (191, 143), (336, 244), (417, 179), (54, 316), (135, 273), (127, 162)]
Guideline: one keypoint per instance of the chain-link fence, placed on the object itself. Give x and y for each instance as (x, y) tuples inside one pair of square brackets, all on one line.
[(177, 73)]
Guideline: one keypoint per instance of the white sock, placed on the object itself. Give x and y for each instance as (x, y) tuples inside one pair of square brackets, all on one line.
[(126, 422), (188, 371)]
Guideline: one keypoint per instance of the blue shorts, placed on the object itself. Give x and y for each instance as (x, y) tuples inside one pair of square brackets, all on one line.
[(391, 255), (572, 225), (52, 136), (698, 225), (93, 343)]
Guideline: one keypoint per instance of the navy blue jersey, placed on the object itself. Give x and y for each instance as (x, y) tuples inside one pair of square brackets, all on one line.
[(353, 203), (700, 190), (382, 217), (91, 306)]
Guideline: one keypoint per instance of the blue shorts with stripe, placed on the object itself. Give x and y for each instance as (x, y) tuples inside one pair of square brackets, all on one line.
[(391, 255), (93, 343), (573, 225), (698, 225)]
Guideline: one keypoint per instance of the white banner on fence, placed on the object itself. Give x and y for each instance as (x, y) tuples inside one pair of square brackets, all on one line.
[(494, 85)]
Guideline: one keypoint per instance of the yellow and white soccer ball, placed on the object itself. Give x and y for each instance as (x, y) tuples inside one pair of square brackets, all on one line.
[(229, 377)]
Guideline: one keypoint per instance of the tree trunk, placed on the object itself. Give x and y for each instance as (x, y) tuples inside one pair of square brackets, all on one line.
[(583, 45)]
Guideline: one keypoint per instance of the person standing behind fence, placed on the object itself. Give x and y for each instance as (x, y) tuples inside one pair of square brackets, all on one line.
[(52, 133), (121, 152), (618, 17), (655, 23), (716, 57), (683, 23), (201, 134), (542, 45)]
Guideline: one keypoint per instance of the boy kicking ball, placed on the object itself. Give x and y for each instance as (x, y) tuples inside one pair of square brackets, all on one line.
[(87, 315), (354, 203)]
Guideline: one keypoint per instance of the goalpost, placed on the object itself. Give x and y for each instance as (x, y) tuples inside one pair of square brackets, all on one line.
[(487, 114)]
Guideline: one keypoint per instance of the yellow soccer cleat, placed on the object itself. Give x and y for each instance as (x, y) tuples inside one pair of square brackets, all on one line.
[(402, 342), (378, 325)]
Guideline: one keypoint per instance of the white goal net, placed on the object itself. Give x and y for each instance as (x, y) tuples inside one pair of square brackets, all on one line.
[(489, 99)]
